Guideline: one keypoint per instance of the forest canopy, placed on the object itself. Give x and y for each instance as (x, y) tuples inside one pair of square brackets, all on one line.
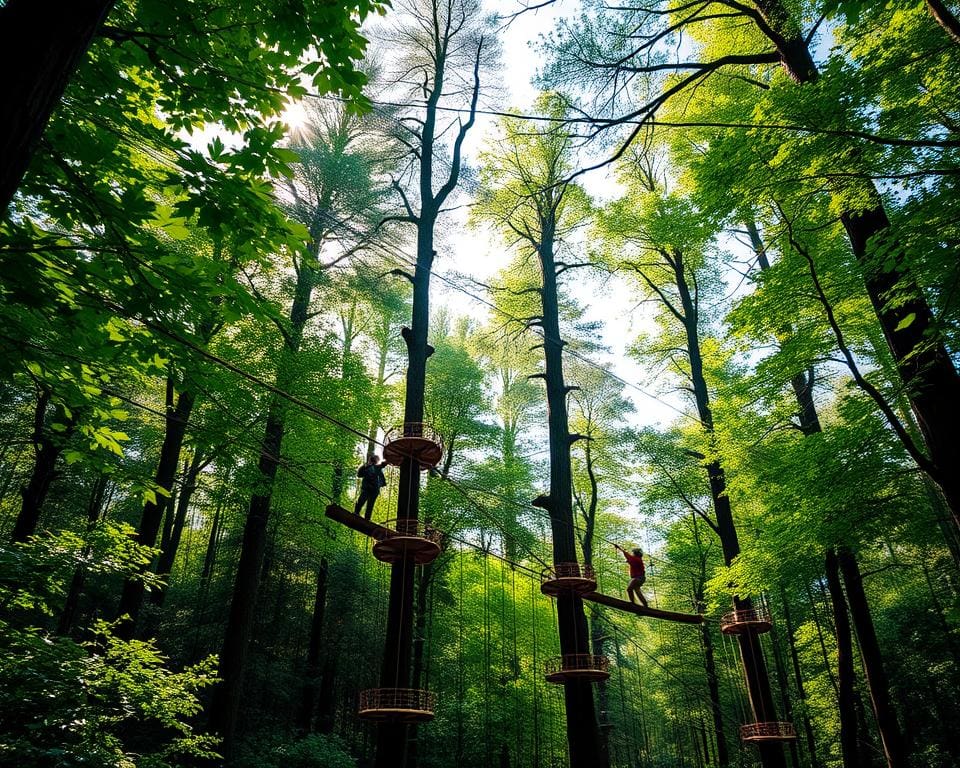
[(438, 383)]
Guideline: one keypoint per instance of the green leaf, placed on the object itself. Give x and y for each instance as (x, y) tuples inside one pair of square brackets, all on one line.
[(906, 322)]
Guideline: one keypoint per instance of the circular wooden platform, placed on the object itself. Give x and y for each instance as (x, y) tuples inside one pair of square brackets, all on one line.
[(771, 731), (568, 577), (408, 539), (404, 705), (413, 441), (756, 620), (577, 666)]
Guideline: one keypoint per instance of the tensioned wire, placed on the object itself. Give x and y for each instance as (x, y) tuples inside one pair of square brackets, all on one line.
[(302, 404), (343, 425), (440, 276), (292, 469)]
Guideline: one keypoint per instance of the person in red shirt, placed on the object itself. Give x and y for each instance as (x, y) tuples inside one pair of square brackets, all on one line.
[(638, 574)]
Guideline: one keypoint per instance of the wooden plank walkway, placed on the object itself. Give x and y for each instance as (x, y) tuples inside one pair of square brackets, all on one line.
[(356, 522), (639, 610)]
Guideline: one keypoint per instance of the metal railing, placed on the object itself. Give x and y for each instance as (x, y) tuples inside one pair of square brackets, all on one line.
[(405, 699), (772, 731), (569, 571), (577, 662), (412, 529), (413, 429), (748, 617)]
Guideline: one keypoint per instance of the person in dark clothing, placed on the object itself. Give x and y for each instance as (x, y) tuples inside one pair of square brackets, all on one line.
[(371, 481), (638, 574)]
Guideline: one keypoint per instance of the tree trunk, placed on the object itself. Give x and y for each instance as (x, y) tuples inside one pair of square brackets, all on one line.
[(925, 367), (846, 695), (798, 679), (598, 638), (945, 18), (383, 352), (225, 703), (751, 653), (582, 733), (179, 520), (419, 639), (131, 599), (890, 735), (395, 669), (210, 556), (311, 677), (47, 448), (780, 669), (72, 603), (327, 709), (43, 43), (713, 687)]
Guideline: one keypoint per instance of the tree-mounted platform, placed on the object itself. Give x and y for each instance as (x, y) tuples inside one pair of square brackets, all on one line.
[(411, 539), (568, 577), (401, 705), (773, 731), (756, 620), (639, 610), (413, 440)]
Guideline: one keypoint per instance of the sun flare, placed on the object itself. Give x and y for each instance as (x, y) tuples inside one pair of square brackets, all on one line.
[(296, 119)]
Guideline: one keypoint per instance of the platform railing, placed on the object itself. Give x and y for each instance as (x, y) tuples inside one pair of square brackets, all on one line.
[(770, 731)]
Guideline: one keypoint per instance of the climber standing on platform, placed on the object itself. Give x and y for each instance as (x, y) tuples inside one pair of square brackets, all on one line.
[(638, 574), (371, 481)]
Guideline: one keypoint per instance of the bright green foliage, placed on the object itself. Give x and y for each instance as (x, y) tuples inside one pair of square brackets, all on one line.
[(138, 246), (523, 182), (106, 701)]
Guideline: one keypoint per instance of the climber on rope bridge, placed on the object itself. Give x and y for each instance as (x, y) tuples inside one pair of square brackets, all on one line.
[(371, 481), (638, 574)]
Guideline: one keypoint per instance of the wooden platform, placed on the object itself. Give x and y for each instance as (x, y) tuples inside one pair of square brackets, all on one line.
[(639, 610), (357, 522)]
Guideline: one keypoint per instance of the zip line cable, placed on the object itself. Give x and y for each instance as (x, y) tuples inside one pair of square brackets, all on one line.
[(682, 683), (299, 402), (317, 412)]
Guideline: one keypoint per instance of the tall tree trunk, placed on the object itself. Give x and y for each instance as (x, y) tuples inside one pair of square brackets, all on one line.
[(798, 679), (177, 417), (852, 755), (72, 603), (846, 695), (43, 42), (327, 708), (170, 512), (311, 677), (383, 352), (930, 379), (47, 447), (225, 703), (890, 734), (818, 624), (751, 653), (780, 669), (168, 554), (582, 733), (713, 687), (338, 469), (419, 639), (395, 669), (210, 555)]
